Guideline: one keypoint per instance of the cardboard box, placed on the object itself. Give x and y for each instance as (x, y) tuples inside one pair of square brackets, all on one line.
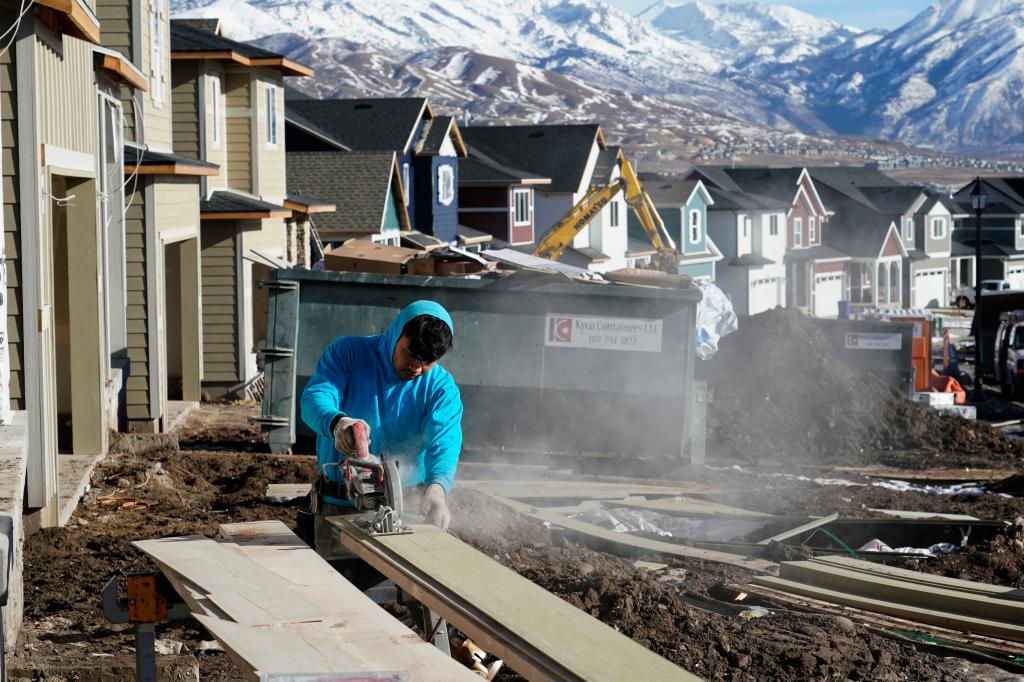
[(358, 255)]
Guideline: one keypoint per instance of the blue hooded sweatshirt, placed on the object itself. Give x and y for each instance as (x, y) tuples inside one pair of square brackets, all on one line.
[(418, 423)]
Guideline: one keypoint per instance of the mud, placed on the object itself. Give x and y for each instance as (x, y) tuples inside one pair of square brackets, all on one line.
[(782, 395)]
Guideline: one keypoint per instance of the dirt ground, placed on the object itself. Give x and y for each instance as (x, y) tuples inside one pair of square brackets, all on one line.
[(782, 396), (193, 491)]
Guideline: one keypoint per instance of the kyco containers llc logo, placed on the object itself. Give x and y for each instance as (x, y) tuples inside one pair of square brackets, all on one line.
[(560, 330)]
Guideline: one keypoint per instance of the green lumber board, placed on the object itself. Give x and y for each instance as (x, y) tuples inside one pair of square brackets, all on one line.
[(539, 635), (937, 581)]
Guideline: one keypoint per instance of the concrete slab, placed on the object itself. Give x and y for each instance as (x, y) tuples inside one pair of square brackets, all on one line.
[(177, 412), (73, 480), (13, 463)]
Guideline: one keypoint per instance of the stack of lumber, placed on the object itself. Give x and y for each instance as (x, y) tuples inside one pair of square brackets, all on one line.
[(278, 607), (934, 600)]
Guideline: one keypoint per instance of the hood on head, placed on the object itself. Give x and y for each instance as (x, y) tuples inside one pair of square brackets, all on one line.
[(409, 312)]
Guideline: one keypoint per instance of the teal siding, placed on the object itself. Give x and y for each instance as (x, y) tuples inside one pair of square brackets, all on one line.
[(391, 221), (698, 270)]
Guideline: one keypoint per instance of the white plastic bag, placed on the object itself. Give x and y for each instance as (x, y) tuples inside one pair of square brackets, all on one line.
[(715, 319)]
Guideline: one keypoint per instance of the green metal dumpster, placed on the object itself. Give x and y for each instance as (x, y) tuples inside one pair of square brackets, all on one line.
[(546, 367)]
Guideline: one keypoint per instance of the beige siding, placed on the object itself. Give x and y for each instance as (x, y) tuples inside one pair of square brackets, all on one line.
[(138, 384), (66, 83), (270, 239), (270, 158), (177, 205), (12, 219), (185, 108), (239, 129), (215, 151), (220, 303), (157, 117)]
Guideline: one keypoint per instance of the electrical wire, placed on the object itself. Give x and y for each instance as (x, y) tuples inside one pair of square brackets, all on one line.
[(23, 10)]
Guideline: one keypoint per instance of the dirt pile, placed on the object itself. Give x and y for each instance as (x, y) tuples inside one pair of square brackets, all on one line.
[(782, 395), (999, 561)]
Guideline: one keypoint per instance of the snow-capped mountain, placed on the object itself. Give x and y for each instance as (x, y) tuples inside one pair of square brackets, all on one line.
[(950, 78), (749, 34), (695, 73)]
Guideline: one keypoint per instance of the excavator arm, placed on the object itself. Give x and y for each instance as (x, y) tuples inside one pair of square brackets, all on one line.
[(558, 239)]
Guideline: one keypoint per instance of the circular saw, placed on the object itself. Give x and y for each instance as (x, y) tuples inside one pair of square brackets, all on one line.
[(374, 485)]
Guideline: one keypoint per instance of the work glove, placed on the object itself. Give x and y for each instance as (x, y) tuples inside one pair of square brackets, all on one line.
[(345, 438), (434, 508)]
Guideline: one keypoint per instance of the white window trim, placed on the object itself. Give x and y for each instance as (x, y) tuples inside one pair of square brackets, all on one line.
[(516, 193), (614, 218), (798, 231), (270, 99), (812, 229), (405, 182), (445, 185), (773, 226), (693, 229), (157, 77), (908, 229), (942, 232), (217, 110), (1019, 224)]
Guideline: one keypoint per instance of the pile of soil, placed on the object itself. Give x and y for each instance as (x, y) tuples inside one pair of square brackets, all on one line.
[(999, 561), (782, 395), (649, 610)]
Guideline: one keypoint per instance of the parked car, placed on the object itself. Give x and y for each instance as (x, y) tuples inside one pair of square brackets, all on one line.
[(964, 296), (1008, 367)]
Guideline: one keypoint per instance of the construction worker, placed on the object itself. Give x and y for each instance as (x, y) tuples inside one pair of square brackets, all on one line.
[(409, 404)]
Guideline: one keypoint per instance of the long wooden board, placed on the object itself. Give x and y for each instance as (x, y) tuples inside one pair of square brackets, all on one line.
[(276, 606), (686, 507), (793, 532), (911, 593), (581, 490), (941, 618), (539, 635), (936, 581), (634, 545)]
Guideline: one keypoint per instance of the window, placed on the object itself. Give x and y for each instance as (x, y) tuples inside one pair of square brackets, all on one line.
[(1019, 223), (798, 231), (613, 214), (521, 200), (445, 185), (405, 183), (215, 109), (271, 114), (746, 226), (812, 230), (938, 228), (695, 226), (156, 58), (908, 229), (773, 225)]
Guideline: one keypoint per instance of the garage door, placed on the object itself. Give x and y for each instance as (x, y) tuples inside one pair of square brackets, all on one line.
[(1015, 276), (828, 290), (764, 295), (929, 289)]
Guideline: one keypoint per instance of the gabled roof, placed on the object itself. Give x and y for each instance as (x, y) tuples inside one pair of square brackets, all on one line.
[(1011, 188), (361, 125), (933, 199), (559, 152), (607, 162), (852, 180), (230, 205), (893, 200), (212, 25), (116, 64), (74, 17), (744, 201), (476, 171), (668, 192), (435, 132), (360, 184), (190, 42), (857, 229)]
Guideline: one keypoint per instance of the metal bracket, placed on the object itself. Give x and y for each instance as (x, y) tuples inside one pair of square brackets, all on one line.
[(270, 420), (146, 606), (268, 284), (276, 352)]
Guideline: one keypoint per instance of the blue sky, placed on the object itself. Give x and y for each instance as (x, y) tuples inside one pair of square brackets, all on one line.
[(859, 13)]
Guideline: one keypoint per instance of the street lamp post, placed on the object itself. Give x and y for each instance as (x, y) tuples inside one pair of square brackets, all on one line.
[(978, 198)]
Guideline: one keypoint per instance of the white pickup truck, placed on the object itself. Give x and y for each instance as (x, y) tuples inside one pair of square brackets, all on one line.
[(964, 296)]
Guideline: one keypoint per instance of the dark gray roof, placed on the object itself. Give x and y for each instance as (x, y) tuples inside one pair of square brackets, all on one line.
[(750, 260), (893, 200), (857, 228), (308, 200), (815, 253), (607, 162), (1011, 188), (851, 180), (964, 245), (434, 134), (362, 125), (210, 25), (559, 152), (958, 249), (476, 170), (357, 182), (149, 157), (726, 200), (591, 254), (664, 191), (714, 176), (186, 37), (230, 202), (950, 205), (777, 183), (468, 234)]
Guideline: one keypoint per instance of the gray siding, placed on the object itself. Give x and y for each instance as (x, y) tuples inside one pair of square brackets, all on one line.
[(138, 384), (12, 217), (185, 104), (238, 87), (219, 244)]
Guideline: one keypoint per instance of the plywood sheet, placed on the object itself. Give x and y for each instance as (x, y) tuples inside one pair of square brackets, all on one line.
[(276, 606), (543, 626)]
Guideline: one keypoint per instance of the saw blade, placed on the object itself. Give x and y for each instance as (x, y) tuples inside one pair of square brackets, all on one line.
[(393, 487)]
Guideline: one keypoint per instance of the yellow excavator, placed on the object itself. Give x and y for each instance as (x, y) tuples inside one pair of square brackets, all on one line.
[(560, 237)]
